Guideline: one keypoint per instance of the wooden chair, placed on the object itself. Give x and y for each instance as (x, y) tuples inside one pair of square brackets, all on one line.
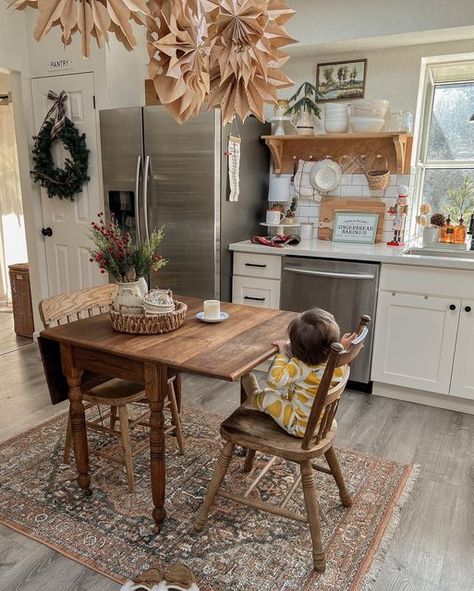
[(256, 431), (115, 394)]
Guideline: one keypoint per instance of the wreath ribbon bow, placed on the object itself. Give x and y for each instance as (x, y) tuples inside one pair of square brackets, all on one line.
[(57, 112)]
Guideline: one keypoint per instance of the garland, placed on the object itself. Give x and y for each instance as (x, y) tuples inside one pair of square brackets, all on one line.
[(61, 182)]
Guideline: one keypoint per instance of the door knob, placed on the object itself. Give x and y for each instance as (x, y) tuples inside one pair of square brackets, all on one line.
[(452, 307), (467, 308), (46, 231)]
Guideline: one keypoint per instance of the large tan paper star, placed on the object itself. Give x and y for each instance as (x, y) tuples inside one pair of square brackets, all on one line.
[(179, 56), (91, 18)]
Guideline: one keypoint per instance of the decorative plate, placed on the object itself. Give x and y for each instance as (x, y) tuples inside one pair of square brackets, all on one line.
[(223, 316), (326, 175)]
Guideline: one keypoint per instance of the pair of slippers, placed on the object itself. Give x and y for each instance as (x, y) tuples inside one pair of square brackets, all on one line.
[(178, 578)]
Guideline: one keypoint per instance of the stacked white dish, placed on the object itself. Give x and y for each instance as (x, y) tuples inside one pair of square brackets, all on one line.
[(336, 118), (368, 116)]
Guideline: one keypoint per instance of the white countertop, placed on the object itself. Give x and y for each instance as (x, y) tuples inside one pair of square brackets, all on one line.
[(357, 252)]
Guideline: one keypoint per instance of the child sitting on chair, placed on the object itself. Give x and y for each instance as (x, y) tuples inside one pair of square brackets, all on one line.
[(294, 377)]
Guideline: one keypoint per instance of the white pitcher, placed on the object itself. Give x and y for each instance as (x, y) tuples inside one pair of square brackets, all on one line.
[(129, 297)]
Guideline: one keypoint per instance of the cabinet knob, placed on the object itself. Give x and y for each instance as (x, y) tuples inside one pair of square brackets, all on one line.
[(46, 231), (467, 309), (452, 307)]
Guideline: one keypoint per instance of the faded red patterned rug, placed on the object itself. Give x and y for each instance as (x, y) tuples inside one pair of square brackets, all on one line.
[(112, 532)]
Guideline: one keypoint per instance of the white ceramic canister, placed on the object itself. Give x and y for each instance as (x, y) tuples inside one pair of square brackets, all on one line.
[(129, 297)]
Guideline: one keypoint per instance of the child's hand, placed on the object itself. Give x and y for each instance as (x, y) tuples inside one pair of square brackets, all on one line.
[(347, 339), (283, 347)]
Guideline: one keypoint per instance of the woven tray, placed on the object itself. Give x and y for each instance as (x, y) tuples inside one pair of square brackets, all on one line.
[(149, 323)]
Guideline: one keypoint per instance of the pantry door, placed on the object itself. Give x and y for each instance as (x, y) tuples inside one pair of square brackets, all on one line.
[(67, 255)]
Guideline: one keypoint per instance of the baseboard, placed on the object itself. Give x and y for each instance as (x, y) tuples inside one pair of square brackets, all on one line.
[(446, 401)]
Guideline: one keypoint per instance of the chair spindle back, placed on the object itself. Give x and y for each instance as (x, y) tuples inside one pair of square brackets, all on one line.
[(327, 400), (84, 303)]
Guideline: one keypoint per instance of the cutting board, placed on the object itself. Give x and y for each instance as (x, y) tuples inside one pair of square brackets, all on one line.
[(330, 205)]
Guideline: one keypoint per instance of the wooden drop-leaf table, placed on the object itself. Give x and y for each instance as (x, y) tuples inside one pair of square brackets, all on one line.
[(90, 347)]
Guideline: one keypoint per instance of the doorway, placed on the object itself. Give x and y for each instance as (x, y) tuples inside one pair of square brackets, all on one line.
[(12, 225)]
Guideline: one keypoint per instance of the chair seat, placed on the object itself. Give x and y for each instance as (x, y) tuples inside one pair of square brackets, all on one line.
[(254, 429), (115, 392)]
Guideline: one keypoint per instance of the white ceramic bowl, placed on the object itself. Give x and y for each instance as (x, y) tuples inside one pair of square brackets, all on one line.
[(341, 127), (336, 118), (376, 109), (366, 124)]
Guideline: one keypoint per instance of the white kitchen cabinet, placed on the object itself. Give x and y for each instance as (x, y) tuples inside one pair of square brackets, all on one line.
[(252, 291), (256, 280), (462, 384), (415, 341), (250, 264)]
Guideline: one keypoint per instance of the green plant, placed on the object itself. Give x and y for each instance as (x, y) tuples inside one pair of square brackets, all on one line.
[(460, 201), (307, 102), (116, 252)]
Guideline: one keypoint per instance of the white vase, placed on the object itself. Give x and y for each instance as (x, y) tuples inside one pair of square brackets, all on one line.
[(305, 123), (129, 297)]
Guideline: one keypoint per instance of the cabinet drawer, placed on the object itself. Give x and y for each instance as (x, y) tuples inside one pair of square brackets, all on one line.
[(427, 281), (250, 264), (263, 293)]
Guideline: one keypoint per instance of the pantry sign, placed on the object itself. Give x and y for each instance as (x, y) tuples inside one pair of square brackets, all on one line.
[(355, 227)]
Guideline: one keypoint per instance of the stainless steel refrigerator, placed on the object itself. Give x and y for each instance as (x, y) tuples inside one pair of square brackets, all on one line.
[(157, 172)]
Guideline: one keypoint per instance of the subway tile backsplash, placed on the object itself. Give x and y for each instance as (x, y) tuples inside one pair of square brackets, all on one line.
[(355, 185)]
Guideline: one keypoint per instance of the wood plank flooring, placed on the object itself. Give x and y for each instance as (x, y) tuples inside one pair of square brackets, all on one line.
[(433, 545)]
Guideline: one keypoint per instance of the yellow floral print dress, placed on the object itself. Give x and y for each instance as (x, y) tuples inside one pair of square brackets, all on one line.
[(291, 388)]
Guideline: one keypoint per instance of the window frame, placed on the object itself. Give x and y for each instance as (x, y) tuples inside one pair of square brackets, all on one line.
[(424, 113)]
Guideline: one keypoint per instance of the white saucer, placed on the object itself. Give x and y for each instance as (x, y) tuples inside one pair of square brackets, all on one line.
[(223, 316)]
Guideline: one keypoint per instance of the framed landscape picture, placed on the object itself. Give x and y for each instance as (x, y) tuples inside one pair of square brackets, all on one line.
[(338, 81)]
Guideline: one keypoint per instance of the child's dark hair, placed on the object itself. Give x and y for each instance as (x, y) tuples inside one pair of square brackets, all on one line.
[(312, 334)]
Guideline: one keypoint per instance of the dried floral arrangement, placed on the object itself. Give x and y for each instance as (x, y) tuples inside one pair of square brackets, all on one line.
[(117, 253)]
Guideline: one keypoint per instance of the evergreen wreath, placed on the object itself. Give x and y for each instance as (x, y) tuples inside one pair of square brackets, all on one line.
[(61, 182)]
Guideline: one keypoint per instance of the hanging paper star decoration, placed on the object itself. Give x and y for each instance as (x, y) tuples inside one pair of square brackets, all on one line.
[(179, 50), (91, 18), (246, 59)]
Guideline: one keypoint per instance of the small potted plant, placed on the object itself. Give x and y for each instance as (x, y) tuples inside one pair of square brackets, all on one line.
[(303, 106), (128, 261)]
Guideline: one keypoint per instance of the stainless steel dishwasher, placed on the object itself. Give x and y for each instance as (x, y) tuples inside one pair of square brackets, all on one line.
[(347, 289)]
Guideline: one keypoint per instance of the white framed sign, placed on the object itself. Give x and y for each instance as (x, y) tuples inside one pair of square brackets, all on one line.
[(355, 227)]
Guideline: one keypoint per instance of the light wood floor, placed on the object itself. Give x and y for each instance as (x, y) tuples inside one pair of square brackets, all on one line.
[(433, 548)]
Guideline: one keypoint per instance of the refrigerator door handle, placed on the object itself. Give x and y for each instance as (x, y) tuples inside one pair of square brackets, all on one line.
[(137, 197), (146, 176)]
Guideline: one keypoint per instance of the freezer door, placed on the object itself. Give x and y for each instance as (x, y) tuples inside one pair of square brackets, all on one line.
[(183, 190), (347, 289), (121, 135)]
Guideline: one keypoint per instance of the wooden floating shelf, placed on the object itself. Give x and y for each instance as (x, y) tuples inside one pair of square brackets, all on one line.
[(396, 147)]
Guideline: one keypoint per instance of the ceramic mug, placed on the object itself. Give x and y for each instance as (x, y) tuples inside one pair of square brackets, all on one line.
[(274, 217)]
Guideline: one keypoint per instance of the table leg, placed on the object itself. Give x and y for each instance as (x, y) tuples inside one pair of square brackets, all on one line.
[(155, 388), (77, 418), (178, 390)]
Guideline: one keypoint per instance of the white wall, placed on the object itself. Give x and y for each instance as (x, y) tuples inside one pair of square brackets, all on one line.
[(392, 74), (329, 21), (13, 47)]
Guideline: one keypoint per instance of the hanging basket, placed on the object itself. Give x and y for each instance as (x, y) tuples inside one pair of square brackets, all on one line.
[(378, 176)]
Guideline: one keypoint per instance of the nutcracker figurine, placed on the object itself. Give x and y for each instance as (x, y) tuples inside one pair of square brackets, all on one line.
[(398, 212)]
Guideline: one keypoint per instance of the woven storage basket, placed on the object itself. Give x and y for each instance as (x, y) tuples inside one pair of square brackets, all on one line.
[(379, 175), (21, 300), (149, 323)]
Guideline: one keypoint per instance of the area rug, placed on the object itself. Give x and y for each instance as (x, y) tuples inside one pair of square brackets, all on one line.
[(113, 533)]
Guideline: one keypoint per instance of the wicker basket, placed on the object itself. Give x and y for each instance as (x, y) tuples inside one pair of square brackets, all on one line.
[(149, 323), (379, 175), (21, 300)]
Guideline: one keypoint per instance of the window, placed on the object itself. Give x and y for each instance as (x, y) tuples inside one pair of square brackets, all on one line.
[(445, 151)]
